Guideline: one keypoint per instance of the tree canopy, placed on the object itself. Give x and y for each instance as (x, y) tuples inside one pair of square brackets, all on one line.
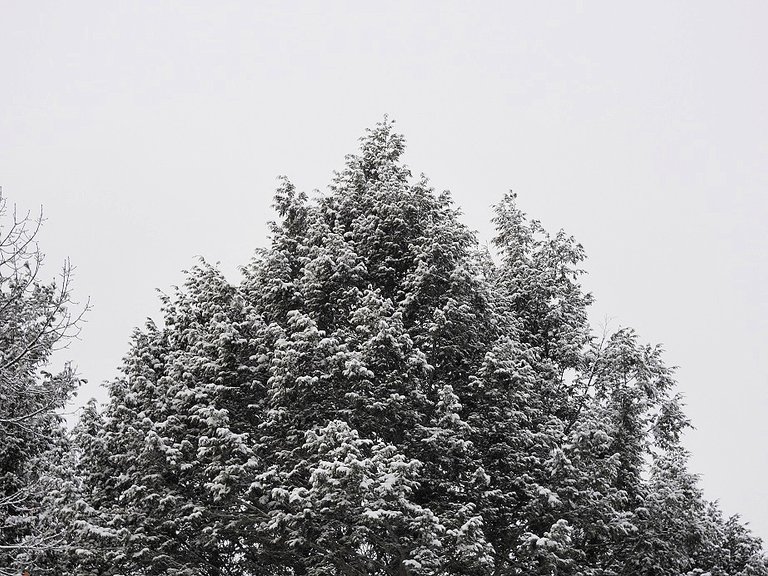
[(382, 395)]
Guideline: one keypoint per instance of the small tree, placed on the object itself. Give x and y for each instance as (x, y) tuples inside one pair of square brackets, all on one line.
[(36, 318)]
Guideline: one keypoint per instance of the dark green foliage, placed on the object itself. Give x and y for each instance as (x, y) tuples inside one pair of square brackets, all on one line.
[(379, 397)]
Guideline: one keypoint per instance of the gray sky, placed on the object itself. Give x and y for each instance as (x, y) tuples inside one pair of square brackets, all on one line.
[(154, 131)]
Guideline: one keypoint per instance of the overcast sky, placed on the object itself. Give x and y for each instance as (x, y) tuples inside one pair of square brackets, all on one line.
[(152, 132)]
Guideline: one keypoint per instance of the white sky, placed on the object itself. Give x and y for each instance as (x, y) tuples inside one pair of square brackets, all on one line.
[(154, 131)]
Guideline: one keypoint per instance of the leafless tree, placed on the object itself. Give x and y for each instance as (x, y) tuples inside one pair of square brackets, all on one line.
[(36, 319)]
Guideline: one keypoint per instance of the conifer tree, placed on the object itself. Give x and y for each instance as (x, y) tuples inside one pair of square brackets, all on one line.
[(378, 396)]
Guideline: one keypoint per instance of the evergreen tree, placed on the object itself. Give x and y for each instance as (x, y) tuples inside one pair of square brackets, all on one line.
[(379, 397)]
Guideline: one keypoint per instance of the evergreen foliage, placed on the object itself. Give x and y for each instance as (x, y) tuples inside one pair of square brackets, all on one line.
[(380, 395)]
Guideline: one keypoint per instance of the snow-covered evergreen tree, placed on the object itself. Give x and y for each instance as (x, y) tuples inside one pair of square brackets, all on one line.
[(379, 397)]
